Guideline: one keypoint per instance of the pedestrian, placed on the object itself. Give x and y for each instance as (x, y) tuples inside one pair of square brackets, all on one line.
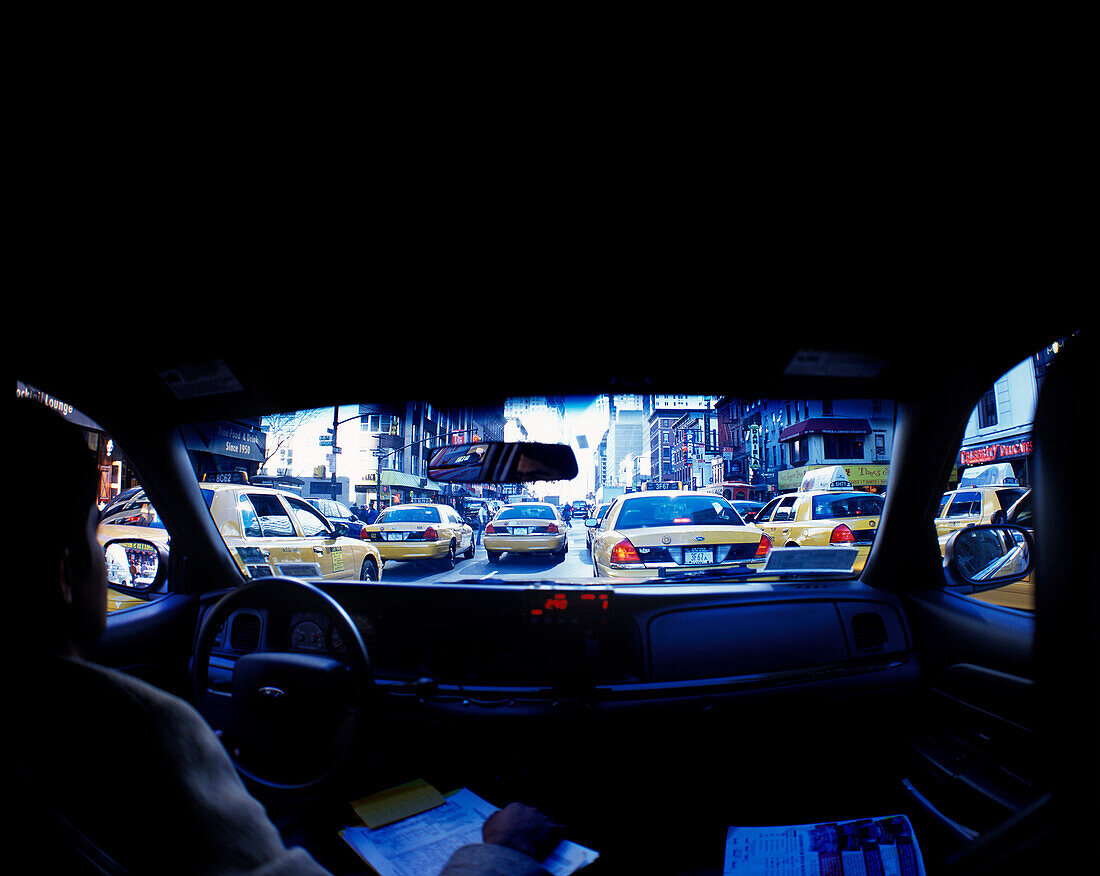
[(372, 513), (567, 514), (482, 519)]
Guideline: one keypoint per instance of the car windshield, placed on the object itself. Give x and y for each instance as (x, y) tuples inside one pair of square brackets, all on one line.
[(686, 463)]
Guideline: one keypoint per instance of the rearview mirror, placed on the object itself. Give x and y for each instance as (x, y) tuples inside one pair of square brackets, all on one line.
[(990, 555), (135, 565), (503, 462)]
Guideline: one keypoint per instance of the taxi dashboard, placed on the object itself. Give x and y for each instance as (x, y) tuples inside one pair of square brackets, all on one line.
[(526, 650)]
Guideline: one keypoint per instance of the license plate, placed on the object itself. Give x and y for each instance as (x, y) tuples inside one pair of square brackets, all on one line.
[(395, 536), (520, 530), (698, 556)]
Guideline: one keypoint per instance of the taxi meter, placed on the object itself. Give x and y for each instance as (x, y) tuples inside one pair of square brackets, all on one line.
[(567, 609), (571, 630)]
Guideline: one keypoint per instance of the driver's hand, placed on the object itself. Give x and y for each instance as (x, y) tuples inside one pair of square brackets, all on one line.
[(524, 829)]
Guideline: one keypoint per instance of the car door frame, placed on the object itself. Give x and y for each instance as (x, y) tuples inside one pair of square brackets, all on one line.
[(976, 657)]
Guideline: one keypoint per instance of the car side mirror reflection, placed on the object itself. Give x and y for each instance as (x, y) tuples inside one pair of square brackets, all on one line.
[(503, 462), (135, 565), (990, 556)]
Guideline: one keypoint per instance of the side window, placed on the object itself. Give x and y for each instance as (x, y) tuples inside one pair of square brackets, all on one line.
[(998, 450), (785, 511), (943, 505), (249, 517), (274, 521), (968, 504), (766, 512), (309, 521)]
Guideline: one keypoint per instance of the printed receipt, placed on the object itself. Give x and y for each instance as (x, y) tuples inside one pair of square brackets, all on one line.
[(423, 843), (885, 846)]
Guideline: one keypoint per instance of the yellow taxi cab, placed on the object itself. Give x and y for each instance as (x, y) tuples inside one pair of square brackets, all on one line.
[(421, 531), (644, 533), (273, 532), (825, 510), (526, 528), (984, 495)]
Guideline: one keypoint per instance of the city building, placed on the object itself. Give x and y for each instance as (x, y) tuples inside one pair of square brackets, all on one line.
[(770, 444), (999, 428)]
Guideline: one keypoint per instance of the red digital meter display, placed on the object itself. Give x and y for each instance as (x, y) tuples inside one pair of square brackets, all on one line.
[(568, 607)]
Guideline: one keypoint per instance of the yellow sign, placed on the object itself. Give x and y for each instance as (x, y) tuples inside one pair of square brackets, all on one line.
[(873, 475)]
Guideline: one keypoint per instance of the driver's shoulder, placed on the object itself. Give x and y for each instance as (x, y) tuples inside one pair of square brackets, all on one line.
[(97, 694)]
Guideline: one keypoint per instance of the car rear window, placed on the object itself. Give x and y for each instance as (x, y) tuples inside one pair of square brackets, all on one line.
[(1008, 498), (829, 507), (527, 512), (677, 511), (409, 515)]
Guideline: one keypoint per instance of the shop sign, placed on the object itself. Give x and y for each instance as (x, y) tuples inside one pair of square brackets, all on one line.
[(993, 452), (873, 475), (231, 440)]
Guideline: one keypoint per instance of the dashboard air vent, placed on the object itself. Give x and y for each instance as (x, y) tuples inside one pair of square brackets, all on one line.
[(244, 635), (869, 631)]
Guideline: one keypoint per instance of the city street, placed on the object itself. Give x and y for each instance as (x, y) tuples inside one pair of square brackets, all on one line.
[(510, 567)]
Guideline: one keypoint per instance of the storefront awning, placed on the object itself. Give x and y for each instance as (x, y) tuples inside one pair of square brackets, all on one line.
[(826, 426), (398, 480)]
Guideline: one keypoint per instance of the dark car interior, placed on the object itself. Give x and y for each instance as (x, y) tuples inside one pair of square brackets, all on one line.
[(673, 711)]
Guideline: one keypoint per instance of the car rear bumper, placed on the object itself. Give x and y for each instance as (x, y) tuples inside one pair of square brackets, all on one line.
[(525, 544), (412, 550)]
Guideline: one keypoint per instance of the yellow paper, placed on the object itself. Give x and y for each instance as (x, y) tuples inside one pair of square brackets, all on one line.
[(392, 805)]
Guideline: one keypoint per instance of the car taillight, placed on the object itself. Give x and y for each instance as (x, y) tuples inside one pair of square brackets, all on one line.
[(842, 535), (489, 529), (430, 534), (364, 535), (552, 529), (764, 548), (624, 552)]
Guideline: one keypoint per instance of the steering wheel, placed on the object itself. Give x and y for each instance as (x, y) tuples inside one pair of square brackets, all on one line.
[(289, 719)]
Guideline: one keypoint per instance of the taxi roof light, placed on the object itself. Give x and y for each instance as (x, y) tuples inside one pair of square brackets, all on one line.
[(226, 477), (833, 477)]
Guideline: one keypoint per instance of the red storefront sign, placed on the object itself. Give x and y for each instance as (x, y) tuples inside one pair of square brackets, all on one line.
[(993, 452)]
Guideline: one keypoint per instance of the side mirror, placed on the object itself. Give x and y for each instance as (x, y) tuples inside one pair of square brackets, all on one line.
[(339, 528), (989, 556), (501, 462), (135, 565)]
